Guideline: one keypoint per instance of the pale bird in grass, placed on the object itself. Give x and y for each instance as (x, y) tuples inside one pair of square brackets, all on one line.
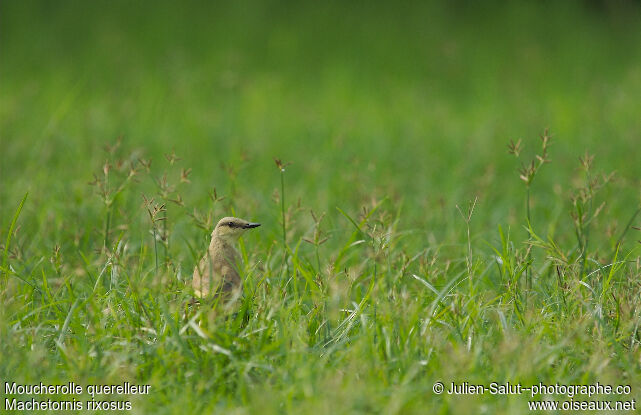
[(217, 271)]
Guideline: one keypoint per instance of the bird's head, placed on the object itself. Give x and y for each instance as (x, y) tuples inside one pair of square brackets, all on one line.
[(231, 228)]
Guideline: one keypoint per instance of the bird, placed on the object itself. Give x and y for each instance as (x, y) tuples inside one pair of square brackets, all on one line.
[(217, 272)]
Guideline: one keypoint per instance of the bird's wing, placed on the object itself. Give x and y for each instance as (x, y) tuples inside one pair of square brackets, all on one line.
[(205, 275), (230, 277)]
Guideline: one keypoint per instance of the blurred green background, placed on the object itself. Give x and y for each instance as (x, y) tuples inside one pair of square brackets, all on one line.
[(411, 103)]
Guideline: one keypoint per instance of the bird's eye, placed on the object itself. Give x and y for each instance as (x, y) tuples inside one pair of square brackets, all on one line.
[(230, 224)]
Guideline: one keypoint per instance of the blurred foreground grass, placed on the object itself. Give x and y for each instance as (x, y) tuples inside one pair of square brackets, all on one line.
[(393, 115)]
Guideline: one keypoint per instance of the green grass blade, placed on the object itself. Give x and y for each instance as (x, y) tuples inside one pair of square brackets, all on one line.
[(5, 257)]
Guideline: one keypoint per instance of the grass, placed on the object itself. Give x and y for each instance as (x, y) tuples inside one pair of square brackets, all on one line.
[(411, 246)]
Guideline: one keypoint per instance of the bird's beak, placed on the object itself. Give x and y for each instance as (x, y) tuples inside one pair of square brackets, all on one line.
[(251, 225)]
